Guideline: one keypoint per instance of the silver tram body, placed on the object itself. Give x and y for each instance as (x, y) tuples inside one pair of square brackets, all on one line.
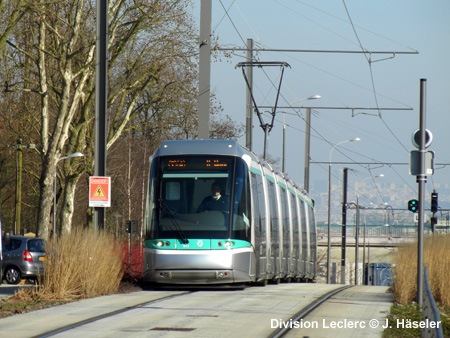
[(266, 232)]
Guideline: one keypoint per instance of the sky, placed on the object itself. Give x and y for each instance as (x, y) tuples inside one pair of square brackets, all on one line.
[(342, 80)]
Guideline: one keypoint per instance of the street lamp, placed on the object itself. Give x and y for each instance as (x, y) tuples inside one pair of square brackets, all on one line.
[(307, 141), (18, 203), (77, 154), (307, 128), (329, 205), (312, 97)]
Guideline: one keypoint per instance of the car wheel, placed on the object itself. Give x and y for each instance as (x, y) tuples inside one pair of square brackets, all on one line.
[(12, 276)]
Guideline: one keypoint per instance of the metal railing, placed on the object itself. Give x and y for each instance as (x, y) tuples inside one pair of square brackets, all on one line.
[(371, 231), (430, 313)]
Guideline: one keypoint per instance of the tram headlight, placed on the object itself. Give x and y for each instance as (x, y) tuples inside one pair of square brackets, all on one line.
[(161, 244), (226, 244), (222, 274), (229, 244), (166, 275)]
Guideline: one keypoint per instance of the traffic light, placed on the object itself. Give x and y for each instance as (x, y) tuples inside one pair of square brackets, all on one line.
[(434, 201), (413, 205), (131, 226), (433, 221)]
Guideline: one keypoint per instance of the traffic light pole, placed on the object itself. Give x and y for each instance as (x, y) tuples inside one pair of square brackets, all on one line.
[(421, 180)]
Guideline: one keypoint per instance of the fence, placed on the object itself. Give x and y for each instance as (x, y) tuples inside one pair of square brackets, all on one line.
[(371, 231)]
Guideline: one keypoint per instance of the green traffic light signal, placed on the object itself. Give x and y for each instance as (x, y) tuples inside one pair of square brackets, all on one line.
[(413, 205)]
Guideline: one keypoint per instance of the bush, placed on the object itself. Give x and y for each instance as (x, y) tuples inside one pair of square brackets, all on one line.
[(83, 264), (436, 258)]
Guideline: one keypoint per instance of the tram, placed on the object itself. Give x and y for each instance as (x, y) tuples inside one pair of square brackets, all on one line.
[(216, 213)]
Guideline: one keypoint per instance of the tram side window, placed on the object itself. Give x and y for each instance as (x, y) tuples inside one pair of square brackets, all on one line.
[(284, 210), (304, 231), (256, 213), (312, 229), (151, 212), (273, 208), (261, 202), (294, 214), (311, 215), (241, 202)]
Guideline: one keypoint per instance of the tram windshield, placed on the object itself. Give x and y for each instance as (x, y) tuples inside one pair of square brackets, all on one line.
[(199, 197)]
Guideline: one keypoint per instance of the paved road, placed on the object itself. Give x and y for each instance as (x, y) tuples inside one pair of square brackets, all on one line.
[(7, 290)]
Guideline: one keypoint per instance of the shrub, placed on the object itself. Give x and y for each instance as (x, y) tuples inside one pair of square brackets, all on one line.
[(436, 258), (82, 264)]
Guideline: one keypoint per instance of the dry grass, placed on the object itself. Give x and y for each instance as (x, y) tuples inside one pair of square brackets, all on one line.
[(82, 264), (436, 258)]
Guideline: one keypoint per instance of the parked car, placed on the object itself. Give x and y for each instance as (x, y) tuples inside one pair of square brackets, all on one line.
[(23, 258)]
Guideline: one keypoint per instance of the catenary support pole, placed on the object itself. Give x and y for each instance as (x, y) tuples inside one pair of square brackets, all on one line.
[(307, 149), (249, 101), (357, 241), (344, 225), (204, 71), (421, 180), (101, 99)]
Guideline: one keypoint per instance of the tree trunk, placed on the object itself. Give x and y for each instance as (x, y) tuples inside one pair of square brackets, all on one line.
[(46, 201), (68, 204)]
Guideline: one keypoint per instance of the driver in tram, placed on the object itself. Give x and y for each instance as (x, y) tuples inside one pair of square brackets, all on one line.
[(214, 202)]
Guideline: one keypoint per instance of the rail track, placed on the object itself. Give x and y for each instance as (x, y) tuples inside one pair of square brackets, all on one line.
[(303, 313), (107, 315)]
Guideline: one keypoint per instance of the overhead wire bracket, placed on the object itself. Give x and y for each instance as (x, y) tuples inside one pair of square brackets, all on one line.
[(265, 126)]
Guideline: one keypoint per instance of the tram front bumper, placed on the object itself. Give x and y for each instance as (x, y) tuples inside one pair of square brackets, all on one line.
[(197, 267), (194, 276)]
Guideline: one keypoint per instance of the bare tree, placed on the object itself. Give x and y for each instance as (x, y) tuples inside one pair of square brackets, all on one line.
[(10, 12), (152, 72)]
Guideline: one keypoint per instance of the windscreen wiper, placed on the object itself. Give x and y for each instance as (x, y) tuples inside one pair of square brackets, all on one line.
[(177, 227)]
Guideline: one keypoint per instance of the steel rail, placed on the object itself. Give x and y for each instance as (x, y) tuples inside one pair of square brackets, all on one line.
[(306, 310), (106, 315)]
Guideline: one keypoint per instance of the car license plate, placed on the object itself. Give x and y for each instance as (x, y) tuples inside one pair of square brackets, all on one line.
[(42, 258)]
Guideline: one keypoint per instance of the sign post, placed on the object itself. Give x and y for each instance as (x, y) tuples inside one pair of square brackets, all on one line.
[(99, 192)]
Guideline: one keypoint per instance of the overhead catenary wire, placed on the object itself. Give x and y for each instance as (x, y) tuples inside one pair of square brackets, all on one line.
[(369, 62), (282, 96), (331, 15), (231, 21)]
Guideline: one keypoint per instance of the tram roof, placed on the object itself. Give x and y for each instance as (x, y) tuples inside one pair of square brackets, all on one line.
[(200, 147)]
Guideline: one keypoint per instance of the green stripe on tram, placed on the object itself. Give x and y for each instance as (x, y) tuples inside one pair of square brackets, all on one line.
[(270, 178), (256, 171), (196, 244), (281, 184)]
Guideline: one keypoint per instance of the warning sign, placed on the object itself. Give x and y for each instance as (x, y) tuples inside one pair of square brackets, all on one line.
[(99, 191)]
